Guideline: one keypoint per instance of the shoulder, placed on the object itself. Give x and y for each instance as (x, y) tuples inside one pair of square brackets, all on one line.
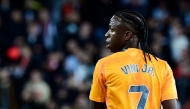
[(162, 63), (158, 60)]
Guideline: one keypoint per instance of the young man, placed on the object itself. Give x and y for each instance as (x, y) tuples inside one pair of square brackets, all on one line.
[(132, 77)]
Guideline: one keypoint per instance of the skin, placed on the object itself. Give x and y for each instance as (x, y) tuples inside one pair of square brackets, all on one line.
[(118, 38), (170, 104)]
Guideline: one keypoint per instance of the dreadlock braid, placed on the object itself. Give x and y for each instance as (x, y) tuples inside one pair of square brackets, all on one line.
[(140, 26)]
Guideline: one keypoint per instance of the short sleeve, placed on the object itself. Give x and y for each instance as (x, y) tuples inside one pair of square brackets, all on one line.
[(98, 89), (169, 87)]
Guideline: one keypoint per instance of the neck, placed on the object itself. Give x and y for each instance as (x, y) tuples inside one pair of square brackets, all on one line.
[(126, 47), (131, 45)]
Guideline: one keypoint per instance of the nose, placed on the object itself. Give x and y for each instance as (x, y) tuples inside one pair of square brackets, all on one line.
[(107, 34)]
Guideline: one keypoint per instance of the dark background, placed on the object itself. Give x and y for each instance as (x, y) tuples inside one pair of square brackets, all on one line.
[(48, 48)]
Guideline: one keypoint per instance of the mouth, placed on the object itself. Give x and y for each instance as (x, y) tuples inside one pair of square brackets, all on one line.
[(108, 43), (108, 46)]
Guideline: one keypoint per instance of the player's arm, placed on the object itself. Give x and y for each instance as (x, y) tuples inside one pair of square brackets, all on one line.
[(169, 104), (98, 88), (97, 105), (169, 92)]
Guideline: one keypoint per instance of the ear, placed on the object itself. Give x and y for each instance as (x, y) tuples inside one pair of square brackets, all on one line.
[(128, 35)]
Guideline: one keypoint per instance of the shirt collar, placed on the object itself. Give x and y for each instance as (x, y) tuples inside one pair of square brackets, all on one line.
[(133, 52)]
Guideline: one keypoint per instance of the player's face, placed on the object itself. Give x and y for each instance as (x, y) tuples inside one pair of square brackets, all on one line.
[(115, 35)]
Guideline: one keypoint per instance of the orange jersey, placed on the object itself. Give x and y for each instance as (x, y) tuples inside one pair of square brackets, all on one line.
[(125, 81)]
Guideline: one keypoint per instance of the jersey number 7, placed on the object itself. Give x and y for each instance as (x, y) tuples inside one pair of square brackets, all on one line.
[(144, 96)]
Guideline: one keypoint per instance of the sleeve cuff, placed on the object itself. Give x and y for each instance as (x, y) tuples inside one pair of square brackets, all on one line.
[(169, 96), (97, 99)]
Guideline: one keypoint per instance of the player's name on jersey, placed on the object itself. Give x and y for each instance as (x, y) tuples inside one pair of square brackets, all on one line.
[(134, 68)]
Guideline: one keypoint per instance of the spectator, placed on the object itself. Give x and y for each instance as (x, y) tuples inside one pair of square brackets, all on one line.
[(36, 90), (7, 94)]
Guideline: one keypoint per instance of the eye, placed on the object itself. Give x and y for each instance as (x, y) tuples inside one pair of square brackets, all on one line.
[(111, 29)]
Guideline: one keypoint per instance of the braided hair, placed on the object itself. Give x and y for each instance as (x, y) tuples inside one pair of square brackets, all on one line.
[(140, 29)]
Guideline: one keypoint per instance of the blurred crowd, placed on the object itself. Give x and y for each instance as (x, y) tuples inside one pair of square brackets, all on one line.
[(48, 48)]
